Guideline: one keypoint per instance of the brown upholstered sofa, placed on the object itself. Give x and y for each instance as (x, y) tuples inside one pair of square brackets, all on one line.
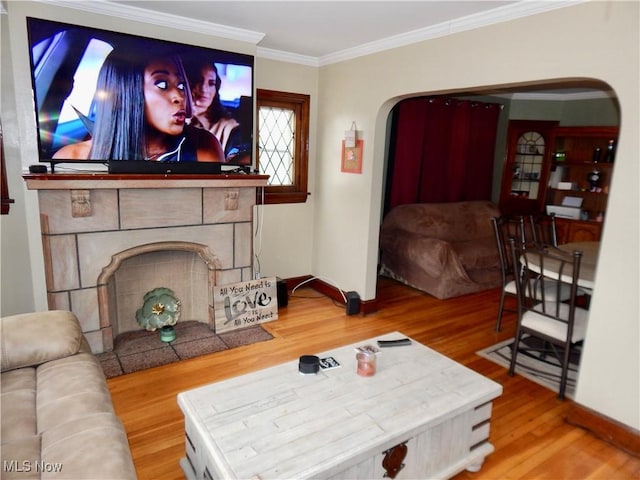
[(444, 249), (58, 421)]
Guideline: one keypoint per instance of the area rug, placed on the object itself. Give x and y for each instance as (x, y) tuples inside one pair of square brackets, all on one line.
[(139, 350), (544, 371)]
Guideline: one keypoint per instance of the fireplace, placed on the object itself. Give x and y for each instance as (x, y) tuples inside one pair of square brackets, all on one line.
[(108, 239), (188, 269)]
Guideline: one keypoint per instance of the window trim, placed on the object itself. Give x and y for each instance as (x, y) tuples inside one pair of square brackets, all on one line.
[(300, 104)]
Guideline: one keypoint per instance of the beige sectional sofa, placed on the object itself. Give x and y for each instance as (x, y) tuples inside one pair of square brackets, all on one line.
[(58, 421)]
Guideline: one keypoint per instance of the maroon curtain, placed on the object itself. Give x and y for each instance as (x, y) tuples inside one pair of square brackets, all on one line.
[(443, 151)]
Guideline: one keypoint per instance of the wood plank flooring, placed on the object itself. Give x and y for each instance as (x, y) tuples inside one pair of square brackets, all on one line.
[(528, 429)]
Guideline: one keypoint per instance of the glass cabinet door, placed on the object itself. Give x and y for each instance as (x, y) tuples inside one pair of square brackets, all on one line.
[(527, 165)]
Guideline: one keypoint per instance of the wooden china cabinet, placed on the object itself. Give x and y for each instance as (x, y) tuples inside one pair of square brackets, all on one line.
[(546, 163), (583, 160), (526, 169)]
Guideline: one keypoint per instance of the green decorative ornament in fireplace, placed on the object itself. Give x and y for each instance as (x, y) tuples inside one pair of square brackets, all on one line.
[(160, 309)]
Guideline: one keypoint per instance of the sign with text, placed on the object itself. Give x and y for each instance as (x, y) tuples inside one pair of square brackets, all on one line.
[(240, 305)]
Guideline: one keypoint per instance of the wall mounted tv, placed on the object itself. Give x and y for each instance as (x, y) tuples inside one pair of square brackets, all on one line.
[(134, 103)]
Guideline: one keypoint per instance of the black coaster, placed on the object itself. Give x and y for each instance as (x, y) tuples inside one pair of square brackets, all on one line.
[(309, 364)]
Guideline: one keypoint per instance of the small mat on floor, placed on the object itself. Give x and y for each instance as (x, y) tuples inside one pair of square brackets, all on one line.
[(544, 371), (140, 349)]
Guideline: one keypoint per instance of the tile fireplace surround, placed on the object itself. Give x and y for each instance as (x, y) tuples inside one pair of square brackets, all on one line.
[(107, 239)]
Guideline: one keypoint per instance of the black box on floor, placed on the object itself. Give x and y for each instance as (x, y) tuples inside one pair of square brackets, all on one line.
[(283, 295), (353, 303)]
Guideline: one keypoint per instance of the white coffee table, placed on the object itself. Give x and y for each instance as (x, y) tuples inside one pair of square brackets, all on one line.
[(277, 423)]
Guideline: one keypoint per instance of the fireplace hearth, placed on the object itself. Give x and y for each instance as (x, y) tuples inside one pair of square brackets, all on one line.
[(139, 350)]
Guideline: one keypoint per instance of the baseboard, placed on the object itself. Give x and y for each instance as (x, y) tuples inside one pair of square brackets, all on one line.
[(618, 434), (331, 291)]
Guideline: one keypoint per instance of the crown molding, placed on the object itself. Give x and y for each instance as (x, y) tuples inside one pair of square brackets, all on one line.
[(470, 22), (129, 12), (288, 57)]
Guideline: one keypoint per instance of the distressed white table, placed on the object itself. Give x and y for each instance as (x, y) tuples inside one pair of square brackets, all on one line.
[(278, 423)]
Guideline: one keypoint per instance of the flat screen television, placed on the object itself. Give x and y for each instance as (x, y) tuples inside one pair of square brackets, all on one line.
[(133, 102)]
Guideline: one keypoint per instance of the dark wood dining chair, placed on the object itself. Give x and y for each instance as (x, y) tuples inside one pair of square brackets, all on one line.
[(543, 229), (533, 232), (561, 325), (504, 228), (542, 232)]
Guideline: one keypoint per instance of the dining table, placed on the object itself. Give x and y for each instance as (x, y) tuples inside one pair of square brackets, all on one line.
[(588, 263)]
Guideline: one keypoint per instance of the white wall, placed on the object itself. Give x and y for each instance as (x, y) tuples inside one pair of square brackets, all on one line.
[(596, 40), (16, 294), (336, 231), (280, 256)]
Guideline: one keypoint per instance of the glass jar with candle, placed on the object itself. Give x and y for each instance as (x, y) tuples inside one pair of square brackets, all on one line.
[(366, 364)]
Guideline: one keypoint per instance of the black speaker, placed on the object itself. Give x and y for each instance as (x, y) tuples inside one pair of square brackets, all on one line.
[(37, 168), (353, 303), (283, 296)]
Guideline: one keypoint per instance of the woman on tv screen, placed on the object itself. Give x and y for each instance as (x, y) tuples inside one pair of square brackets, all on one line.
[(209, 112), (142, 103)]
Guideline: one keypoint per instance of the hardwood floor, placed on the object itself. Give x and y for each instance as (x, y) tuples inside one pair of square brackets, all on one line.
[(528, 429)]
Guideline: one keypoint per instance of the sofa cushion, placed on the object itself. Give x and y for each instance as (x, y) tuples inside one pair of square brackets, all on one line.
[(94, 446), (28, 340), (429, 254), (21, 458), (71, 388), (479, 253), (18, 404)]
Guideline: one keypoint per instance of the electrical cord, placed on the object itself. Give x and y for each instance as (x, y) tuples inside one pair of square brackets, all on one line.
[(258, 235), (324, 279)]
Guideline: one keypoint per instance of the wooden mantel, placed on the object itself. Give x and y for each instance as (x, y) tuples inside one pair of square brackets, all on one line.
[(103, 180)]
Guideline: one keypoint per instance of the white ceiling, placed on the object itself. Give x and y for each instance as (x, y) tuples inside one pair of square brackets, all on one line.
[(320, 32), (320, 28)]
